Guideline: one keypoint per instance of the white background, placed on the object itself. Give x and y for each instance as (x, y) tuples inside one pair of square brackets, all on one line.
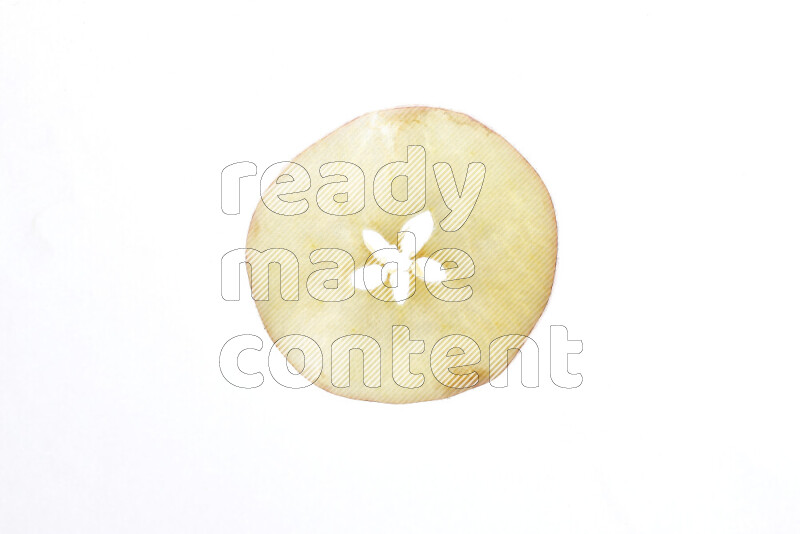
[(667, 134)]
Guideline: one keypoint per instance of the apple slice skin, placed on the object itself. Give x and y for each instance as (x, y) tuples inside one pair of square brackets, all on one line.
[(510, 235)]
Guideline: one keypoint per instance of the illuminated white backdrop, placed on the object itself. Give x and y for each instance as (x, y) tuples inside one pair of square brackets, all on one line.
[(666, 134)]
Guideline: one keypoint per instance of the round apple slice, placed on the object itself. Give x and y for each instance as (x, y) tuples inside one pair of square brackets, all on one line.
[(403, 257)]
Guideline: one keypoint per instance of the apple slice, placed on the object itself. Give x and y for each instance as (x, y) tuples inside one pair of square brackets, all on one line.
[(404, 255)]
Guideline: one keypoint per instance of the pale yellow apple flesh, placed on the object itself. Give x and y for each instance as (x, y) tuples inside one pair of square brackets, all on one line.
[(510, 235)]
